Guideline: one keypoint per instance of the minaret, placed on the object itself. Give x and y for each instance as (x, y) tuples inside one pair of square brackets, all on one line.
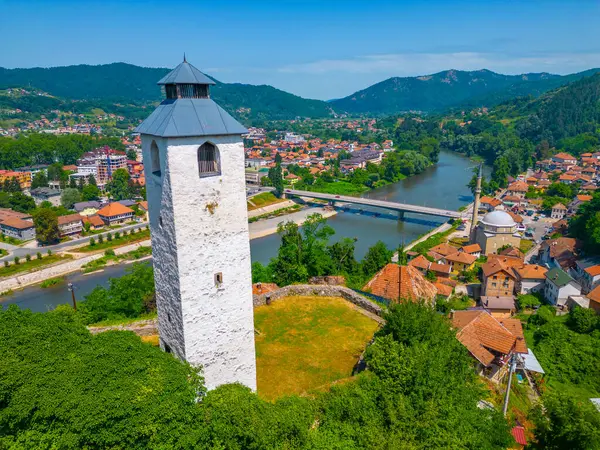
[(476, 203), (195, 181)]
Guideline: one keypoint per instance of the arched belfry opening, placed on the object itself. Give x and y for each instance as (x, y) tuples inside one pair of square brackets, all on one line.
[(155, 159), (209, 163)]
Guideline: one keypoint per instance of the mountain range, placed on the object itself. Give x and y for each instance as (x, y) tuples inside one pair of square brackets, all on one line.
[(125, 83)]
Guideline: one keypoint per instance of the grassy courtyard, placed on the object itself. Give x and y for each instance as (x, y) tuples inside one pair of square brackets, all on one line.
[(304, 343)]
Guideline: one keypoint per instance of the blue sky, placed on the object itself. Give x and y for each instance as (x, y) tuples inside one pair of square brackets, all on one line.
[(317, 49)]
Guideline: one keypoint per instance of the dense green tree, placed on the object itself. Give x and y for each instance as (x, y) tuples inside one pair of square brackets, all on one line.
[(11, 185), (62, 387), (583, 320), (131, 154), (566, 423), (128, 296), (376, 258), (46, 226), (118, 187), (276, 177), (21, 202), (39, 180), (342, 256), (90, 192), (70, 196)]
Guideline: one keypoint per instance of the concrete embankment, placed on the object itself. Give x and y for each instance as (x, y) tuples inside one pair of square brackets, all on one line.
[(58, 270)]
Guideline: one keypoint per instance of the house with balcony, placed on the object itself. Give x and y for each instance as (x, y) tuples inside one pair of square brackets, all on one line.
[(115, 214), (490, 340), (69, 225)]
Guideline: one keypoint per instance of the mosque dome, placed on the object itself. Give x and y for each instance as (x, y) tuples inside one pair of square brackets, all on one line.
[(498, 219)]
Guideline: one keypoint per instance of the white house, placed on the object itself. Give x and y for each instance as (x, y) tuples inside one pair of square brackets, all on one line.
[(559, 286), (587, 273), (530, 278)]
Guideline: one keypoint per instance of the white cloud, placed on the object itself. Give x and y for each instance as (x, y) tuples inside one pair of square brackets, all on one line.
[(410, 64)]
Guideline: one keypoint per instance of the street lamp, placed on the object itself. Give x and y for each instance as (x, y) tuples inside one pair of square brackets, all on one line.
[(71, 288)]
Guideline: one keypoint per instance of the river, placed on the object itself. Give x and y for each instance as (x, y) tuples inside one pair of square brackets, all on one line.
[(440, 186)]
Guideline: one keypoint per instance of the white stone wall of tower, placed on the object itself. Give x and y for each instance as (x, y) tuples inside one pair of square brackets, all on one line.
[(164, 250), (205, 229)]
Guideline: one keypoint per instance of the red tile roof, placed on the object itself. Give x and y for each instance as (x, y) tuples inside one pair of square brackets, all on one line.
[(70, 218), (519, 435), (396, 283), (114, 209)]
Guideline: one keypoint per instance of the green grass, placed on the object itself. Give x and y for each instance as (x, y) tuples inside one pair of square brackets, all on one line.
[(33, 265), (306, 343), (121, 241), (99, 263), (262, 200), (276, 213), (338, 188), (526, 245), (433, 240), (51, 282)]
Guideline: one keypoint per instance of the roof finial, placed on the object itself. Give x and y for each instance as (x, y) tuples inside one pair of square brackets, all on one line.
[(184, 60)]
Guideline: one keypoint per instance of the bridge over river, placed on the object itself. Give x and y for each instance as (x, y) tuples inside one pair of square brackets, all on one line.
[(400, 208)]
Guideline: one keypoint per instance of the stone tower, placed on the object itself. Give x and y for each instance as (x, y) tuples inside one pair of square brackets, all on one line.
[(195, 182), (475, 218)]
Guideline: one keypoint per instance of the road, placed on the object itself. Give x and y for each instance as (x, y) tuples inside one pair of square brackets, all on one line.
[(22, 252)]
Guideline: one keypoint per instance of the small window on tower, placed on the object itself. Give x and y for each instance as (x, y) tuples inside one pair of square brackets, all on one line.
[(155, 159), (208, 160), (218, 279)]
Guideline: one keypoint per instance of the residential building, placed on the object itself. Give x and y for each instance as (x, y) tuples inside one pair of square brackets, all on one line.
[(401, 283), (44, 194), (498, 278), (499, 307), (564, 159), (497, 229), (558, 211), (517, 189), (561, 252), (70, 224), (577, 202), (489, 203), (18, 228), (460, 261), (559, 286), (94, 221), (594, 297), (87, 208), (587, 273), (23, 178), (31, 171), (472, 249), (101, 163), (115, 213), (491, 341), (530, 278)]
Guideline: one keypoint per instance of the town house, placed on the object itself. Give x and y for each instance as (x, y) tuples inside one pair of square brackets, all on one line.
[(70, 224), (559, 286), (115, 213)]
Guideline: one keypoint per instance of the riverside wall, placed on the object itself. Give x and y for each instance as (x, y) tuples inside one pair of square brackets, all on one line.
[(26, 279)]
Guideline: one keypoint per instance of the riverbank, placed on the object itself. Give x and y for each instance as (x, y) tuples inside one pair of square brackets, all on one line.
[(266, 227)]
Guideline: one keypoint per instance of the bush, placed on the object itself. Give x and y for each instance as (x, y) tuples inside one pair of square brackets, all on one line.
[(100, 239), (109, 237), (16, 260), (583, 320), (39, 255), (117, 235), (5, 263), (109, 252), (49, 252), (28, 257), (528, 301), (544, 315), (92, 242)]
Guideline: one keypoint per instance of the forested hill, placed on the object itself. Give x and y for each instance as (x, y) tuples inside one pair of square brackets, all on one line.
[(126, 83), (449, 89), (562, 113)]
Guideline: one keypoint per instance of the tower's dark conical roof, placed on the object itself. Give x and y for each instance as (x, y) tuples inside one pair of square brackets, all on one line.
[(186, 117), (185, 73)]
